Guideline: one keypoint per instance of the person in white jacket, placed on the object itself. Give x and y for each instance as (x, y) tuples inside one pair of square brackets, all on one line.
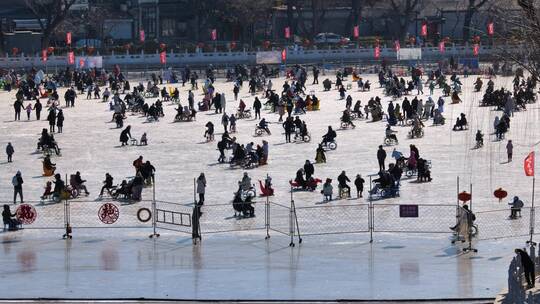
[(201, 188)]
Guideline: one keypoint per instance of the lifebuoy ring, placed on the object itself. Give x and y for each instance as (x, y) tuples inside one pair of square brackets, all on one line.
[(146, 219)]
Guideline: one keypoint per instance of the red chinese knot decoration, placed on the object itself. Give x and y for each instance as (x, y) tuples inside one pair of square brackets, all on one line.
[(26, 214), (464, 196), (500, 194), (108, 213)]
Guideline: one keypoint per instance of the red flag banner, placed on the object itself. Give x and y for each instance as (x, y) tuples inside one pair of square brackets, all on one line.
[(287, 32), (528, 164), (141, 35), (476, 49), (377, 52), (68, 38), (423, 32), (44, 55), (284, 55), (214, 34), (397, 45), (490, 29), (163, 57), (442, 47), (356, 32), (71, 58)]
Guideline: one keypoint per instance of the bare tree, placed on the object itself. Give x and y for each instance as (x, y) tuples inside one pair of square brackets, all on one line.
[(472, 8), (49, 14), (523, 28), (247, 13), (406, 12)]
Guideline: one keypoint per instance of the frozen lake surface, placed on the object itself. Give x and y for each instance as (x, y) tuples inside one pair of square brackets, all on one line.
[(118, 263)]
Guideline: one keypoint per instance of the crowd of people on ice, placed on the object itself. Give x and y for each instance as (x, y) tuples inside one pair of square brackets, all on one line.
[(289, 103)]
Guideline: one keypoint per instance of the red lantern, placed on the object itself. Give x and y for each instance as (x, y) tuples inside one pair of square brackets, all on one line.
[(287, 32), (442, 47), (500, 194), (267, 44), (377, 52), (213, 34), (490, 28), (476, 49), (284, 55), (15, 51), (163, 57), (356, 32), (71, 58), (50, 50), (464, 196), (397, 45), (141, 36), (423, 32), (68, 38), (44, 55)]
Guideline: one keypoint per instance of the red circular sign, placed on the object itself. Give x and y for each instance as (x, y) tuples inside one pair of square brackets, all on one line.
[(26, 214), (108, 213)]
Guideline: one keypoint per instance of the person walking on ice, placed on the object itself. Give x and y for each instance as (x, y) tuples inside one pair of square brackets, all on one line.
[(9, 152), (509, 150), (201, 188)]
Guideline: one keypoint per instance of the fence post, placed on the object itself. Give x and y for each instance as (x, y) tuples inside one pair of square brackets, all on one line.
[(267, 217), (371, 213), (154, 210), (291, 222)]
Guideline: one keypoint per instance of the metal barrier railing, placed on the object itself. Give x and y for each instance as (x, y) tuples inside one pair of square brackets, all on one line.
[(264, 215)]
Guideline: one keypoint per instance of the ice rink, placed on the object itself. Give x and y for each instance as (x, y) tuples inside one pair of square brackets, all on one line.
[(126, 265), (122, 263)]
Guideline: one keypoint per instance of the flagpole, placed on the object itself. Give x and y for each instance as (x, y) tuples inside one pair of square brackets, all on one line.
[(531, 232), (532, 215)]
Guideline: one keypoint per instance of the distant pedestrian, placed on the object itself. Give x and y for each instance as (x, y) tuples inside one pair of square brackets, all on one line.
[(17, 182), (28, 111), (9, 152), (201, 188), (528, 267), (37, 107), (509, 150), (359, 183), (381, 156)]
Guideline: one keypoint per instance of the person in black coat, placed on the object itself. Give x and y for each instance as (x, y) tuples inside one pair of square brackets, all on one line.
[(257, 107), (58, 185), (342, 182), (309, 169), (60, 120), (289, 128), (107, 184), (52, 119), (381, 156), (528, 267), (125, 136), (37, 108), (359, 183), (18, 105), (300, 178)]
